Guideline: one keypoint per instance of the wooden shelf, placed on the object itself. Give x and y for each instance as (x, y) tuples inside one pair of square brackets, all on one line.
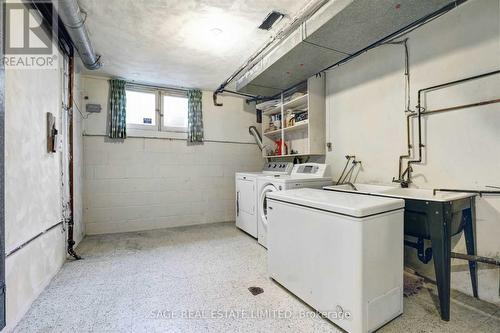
[(306, 137), (291, 155), (303, 125), (273, 110), (296, 102), (273, 133)]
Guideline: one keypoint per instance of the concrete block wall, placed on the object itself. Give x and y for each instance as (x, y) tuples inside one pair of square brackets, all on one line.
[(156, 180), (143, 183)]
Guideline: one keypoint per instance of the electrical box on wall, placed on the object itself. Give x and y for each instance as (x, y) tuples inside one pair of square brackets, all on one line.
[(52, 137), (93, 108)]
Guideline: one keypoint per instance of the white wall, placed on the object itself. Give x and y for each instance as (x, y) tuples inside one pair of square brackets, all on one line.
[(79, 225), (148, 183), (33, 187), (365, 107)]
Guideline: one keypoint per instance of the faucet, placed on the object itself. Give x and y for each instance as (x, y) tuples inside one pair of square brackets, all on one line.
[(343, 179), (351, 185), (401, 180)]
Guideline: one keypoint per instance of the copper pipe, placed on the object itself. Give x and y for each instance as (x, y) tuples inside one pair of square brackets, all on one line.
[(463, 106), (420, 110)]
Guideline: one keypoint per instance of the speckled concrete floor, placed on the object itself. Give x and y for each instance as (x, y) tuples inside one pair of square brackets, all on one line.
[(153, 281)]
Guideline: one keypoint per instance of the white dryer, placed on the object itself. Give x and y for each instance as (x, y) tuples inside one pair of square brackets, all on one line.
[(309, 175), (246, 194)]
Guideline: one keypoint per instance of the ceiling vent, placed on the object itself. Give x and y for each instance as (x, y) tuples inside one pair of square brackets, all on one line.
[(270, 20)]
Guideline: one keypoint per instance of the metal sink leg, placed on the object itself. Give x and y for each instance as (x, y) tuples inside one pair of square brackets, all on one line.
[(469, 216), (439, 228)]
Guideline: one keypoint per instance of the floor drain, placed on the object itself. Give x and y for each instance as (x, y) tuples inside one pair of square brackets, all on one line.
[(256, 290)]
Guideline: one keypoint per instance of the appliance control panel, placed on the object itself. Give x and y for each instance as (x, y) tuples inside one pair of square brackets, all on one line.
[(314, 170), (282, 168)]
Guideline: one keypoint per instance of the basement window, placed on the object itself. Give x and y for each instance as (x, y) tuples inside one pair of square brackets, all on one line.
[(159, 110), (175, 113), (141, 109)]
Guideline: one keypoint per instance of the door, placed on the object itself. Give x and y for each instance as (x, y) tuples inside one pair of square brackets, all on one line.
[(246, 217), (263, 204)]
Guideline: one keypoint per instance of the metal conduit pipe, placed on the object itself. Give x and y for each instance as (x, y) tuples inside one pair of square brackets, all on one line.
[(422, 112), (74, 21)]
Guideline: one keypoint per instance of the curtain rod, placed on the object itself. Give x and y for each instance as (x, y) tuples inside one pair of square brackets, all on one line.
[(132, 83), (140, 84)]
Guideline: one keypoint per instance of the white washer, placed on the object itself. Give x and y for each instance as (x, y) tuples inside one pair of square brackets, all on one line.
[(311, 175), (246, 194), (341, 253)]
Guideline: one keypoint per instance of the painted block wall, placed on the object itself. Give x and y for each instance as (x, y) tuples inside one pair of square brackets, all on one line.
[(365, 117), (33, 187), (79, 226), (149, 183)]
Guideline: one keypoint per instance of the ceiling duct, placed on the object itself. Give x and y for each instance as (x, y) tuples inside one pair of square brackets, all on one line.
[(338, 30), (74, 21)]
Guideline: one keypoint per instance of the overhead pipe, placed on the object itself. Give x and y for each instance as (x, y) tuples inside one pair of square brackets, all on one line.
[(74, 21)]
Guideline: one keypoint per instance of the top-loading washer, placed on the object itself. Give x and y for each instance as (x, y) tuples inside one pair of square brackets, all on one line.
[(247, 195), (309, 175)]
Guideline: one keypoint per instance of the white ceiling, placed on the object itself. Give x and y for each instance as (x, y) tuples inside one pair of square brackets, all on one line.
[(172, 42)]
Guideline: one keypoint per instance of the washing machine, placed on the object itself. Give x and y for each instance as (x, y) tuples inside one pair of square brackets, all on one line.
[(247, 196), (309, 175)]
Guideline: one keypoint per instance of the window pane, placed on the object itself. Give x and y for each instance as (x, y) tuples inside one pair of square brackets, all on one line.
[(141, 108), (175, 111)]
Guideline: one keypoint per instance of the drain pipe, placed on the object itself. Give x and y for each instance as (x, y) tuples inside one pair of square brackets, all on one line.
[(74, 21)]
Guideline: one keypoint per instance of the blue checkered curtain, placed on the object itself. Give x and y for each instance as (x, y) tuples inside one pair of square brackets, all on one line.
[(195, 116), (117, 109)]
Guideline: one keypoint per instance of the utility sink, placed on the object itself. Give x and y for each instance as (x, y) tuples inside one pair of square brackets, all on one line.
[(398, 192), (435, 216), (418, 204), (360, 188), (425, 194)]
